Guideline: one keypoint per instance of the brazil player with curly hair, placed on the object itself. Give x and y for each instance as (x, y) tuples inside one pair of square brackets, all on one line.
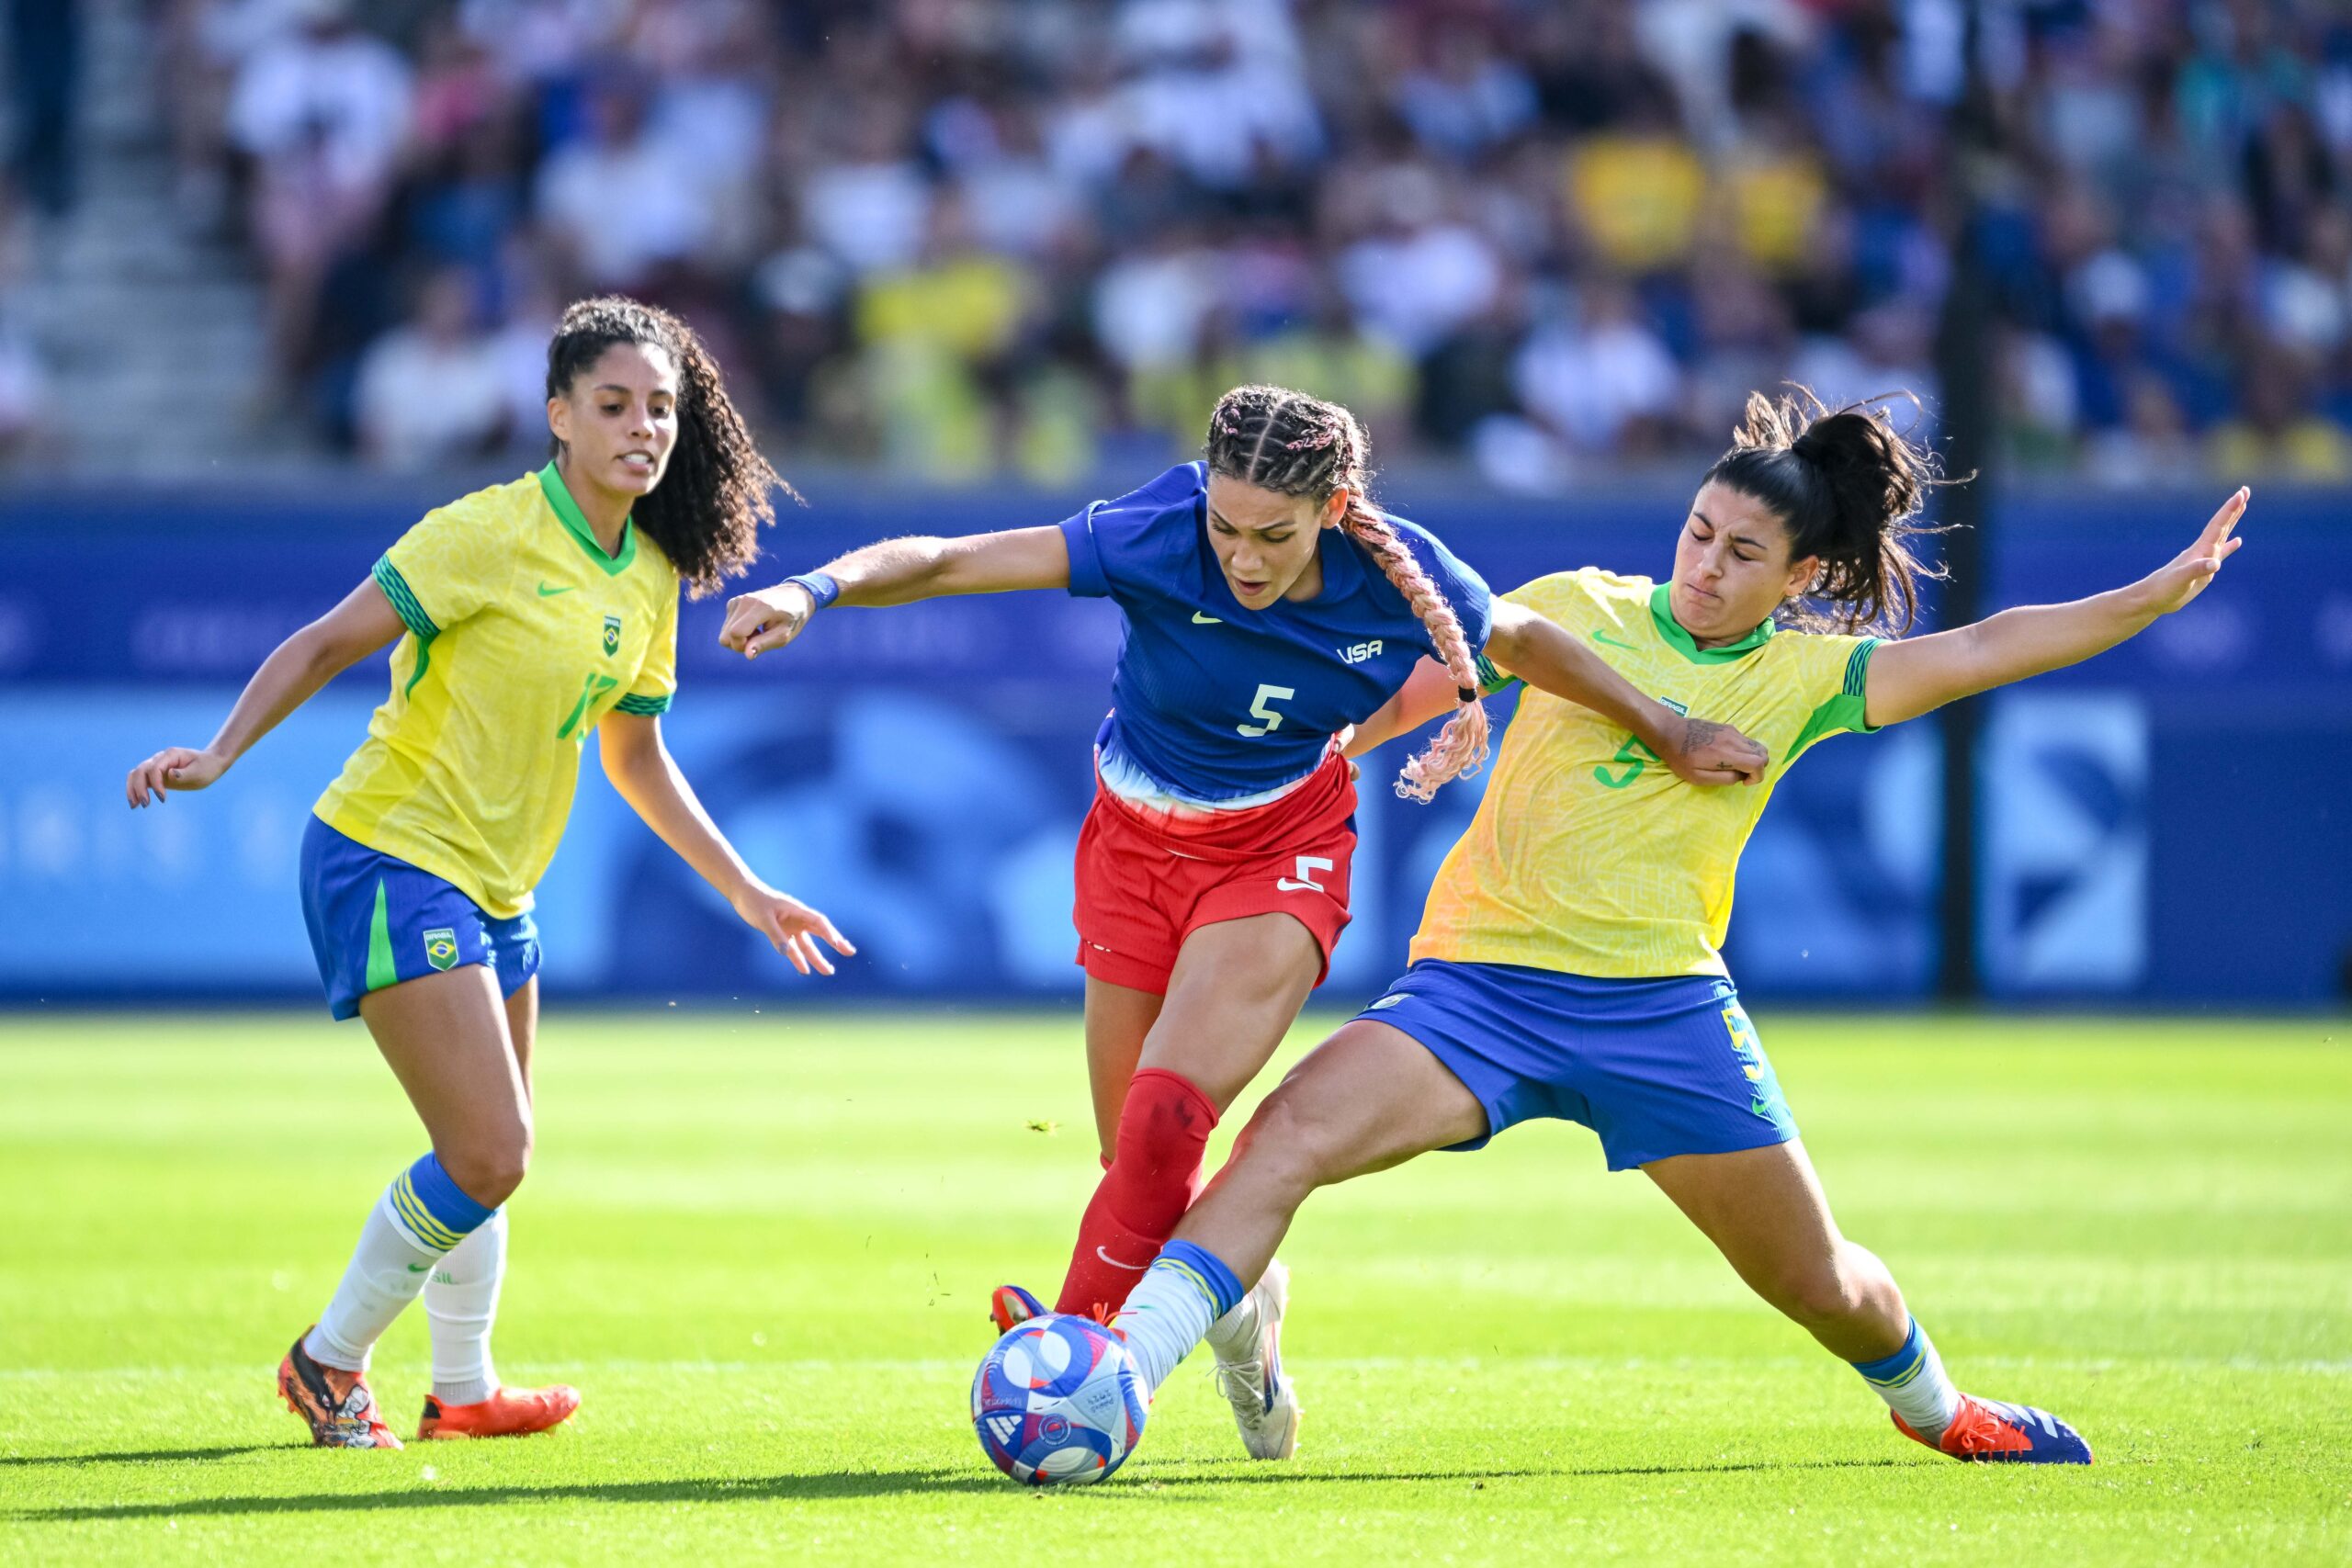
[(1268, 606), (528, 616), (1569, 963)]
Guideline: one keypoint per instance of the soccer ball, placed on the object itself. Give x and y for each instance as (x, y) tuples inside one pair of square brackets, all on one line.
[(1058, 1402)]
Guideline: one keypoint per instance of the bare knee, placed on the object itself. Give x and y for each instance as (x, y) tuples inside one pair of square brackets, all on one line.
[(1291, 1145), (489, 1165)]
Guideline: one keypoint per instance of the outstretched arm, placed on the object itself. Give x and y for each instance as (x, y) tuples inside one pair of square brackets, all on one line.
[(1699, 750), (1921, 674), (899, 572), (648, 777), (363, 624)]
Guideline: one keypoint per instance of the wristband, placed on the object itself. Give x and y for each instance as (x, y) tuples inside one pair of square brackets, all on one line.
[(822, 589)]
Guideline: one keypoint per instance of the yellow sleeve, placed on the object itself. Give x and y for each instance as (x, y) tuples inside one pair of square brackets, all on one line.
[(448, 566), (657, 678), (1836, 672), (1565, 599)]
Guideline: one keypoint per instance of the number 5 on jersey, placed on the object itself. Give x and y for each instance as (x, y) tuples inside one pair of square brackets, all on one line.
[(1259, 709)]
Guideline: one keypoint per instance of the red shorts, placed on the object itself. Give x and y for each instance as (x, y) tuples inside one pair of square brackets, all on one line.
[(1146, 881)]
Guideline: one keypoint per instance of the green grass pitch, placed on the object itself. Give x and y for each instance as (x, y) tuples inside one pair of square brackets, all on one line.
[(762, 1244)]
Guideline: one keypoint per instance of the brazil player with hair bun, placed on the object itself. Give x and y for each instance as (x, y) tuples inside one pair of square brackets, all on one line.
[(1267, 606), (528, 616), (1568, 962)]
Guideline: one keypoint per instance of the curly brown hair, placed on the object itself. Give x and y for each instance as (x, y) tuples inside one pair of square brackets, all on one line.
[(718, 491)]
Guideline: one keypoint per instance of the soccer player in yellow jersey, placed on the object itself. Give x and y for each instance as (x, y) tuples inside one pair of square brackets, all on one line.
[(528, 616), (1569, 963)]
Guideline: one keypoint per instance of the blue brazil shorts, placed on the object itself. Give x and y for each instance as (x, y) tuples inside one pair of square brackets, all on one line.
[(375, 920), (1657, 1068)]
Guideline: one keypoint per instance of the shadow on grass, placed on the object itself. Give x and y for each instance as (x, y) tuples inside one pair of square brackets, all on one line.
[(144, 1456), (1192, 1474)]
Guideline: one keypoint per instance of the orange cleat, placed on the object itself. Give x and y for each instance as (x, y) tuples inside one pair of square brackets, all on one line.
[(1991, 1431), (508, 1413), (338, 1407)]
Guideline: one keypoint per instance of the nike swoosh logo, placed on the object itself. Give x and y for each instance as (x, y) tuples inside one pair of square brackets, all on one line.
[(547, 592), (1612, 642), (1130, 1267), (418, 1268), (1285, 885), (1201, 620)]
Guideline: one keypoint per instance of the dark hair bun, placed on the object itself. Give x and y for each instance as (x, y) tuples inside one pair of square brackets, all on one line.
[(1848, 487)]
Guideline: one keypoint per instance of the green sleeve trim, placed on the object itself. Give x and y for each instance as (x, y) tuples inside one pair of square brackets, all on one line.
[(645, 706), (1858, 668), (1491, 680), (403, 600)]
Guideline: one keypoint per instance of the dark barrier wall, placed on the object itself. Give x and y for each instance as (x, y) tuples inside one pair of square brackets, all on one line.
[(2166, 824)]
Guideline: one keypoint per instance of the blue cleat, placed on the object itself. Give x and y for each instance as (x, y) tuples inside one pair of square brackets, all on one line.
[(1010, 1304), (1986, 1431)]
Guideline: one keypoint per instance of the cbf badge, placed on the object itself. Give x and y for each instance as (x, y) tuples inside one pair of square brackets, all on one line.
[(612, 636), (441, 948)]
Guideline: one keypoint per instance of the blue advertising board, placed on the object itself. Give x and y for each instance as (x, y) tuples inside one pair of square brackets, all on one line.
[(2160, 825)]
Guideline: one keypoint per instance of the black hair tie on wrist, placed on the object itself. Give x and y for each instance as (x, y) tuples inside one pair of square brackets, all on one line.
[(1469, 694)]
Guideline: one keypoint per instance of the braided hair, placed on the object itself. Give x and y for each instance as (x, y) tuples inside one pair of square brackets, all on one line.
[(1848, 486), (1291, 444), (718, 491)]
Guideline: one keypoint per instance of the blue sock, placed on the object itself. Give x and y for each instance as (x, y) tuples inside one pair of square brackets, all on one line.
[(1186, 1289), (433, 1207)]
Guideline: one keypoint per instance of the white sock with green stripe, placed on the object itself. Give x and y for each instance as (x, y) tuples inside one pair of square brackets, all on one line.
[(421, 1217), (1914, 1384), (1186, 1289)]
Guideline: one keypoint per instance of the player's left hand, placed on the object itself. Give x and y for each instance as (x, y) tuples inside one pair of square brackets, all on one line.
[(792, 928), (2184, 577), (1704, 752)]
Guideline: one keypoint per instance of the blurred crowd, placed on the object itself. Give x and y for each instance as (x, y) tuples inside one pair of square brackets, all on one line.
[(960, 238)]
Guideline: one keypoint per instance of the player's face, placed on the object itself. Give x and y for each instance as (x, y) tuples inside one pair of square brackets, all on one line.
[(620, 419), (1732, 566), (1266, 541)]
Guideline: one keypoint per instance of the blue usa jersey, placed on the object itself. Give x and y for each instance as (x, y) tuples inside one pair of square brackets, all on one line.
[(1218, 703)]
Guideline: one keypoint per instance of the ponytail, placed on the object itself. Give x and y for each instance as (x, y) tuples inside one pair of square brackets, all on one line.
[(1848, 487)]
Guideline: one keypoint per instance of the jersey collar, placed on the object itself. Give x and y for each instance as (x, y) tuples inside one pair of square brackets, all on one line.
[(567, 511), (1682, 643)]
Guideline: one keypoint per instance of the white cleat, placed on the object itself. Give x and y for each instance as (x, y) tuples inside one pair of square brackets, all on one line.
[(1250, 1374)]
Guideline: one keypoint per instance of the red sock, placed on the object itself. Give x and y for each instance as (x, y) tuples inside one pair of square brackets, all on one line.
[(1155, 1174)]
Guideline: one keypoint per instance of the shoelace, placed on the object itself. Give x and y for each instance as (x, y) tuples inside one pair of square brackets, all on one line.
[(1979, 1427), (1242, 1384)]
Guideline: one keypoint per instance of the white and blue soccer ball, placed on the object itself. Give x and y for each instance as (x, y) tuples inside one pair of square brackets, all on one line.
[(1058, 1402)]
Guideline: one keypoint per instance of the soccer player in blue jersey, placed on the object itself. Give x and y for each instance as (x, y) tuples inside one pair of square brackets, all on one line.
[(1269, 606), (1569, 962)]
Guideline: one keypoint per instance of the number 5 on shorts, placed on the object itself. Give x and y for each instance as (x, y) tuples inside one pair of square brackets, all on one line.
[(1307, 866)]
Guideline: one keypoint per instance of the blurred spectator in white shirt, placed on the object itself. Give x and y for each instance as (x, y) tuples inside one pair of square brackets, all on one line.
[(620, 202), (431, 391)]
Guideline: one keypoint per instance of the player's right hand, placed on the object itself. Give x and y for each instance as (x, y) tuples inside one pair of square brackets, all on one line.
[(1711, 753), (173, 767), (770, 618)]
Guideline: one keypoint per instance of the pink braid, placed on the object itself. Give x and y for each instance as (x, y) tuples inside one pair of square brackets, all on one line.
[(1460, 748)]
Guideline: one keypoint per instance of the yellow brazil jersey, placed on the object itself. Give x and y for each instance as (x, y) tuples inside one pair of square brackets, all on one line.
[(522, 635), (1588, 855)]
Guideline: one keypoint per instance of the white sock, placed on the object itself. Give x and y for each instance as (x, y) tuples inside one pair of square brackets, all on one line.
[(461, 1303), (387, 1271), (1234, 1336), (1165, 1316), (1915, 1385)]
